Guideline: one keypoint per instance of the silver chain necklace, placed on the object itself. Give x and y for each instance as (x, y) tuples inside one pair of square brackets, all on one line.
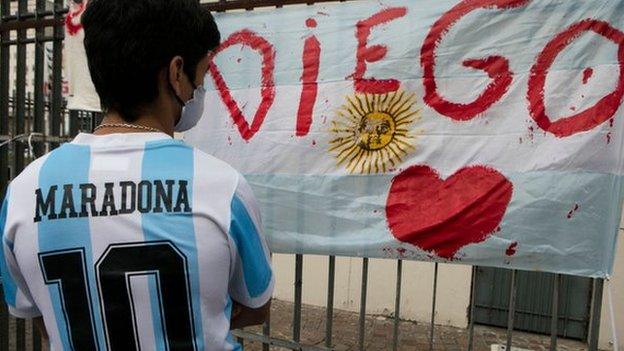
[(126, 125)]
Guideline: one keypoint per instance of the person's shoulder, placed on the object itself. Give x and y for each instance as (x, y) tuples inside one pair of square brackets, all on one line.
[(209, 164), (28, 178), (216, 173)]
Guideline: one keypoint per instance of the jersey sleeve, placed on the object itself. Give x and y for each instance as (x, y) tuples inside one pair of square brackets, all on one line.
[(16, 292), (251, 278)]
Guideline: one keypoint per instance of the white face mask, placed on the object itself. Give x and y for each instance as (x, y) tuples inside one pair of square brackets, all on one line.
[(192, 111)]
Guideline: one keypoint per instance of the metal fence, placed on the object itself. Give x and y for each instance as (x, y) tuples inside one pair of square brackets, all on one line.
[(34, 120)]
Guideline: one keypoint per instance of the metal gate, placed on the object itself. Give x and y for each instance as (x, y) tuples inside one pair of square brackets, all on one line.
[(33, 121), (534, 301)]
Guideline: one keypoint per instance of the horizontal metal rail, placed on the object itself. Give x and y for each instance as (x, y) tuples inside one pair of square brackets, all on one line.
[(266, 340)]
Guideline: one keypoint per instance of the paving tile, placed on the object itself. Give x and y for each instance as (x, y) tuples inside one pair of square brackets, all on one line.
[(379, 333)]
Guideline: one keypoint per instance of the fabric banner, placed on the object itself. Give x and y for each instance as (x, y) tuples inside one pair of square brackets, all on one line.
[(81, 94), (482, 132)]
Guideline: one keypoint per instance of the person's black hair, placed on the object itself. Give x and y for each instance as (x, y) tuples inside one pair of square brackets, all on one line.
[(128, 42)]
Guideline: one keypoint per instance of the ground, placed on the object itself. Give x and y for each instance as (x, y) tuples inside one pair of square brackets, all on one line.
[(412, 335)]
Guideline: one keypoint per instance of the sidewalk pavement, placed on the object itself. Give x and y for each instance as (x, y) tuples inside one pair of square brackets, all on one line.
[(412, 336)]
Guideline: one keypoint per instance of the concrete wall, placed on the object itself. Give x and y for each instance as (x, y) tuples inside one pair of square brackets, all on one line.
[(453, 296)]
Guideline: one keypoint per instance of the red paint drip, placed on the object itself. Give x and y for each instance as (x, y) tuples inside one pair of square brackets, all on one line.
[(609, 138), (72, 21), (373, 53), (573, 210), (267, 51), (611, 122), (461, 210), (512, 249), (497, 67), (591, 117), (313, 142), (587, 74)]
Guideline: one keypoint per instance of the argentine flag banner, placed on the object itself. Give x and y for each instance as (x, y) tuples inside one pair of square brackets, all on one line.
[(482, 132)]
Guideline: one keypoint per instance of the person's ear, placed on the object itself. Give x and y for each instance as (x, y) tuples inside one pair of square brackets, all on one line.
[(176, 69)]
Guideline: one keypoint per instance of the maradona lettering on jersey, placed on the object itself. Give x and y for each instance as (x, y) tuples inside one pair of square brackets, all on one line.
[(146, 196)]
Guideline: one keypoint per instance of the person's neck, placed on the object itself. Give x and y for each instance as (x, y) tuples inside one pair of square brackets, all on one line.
[(113, 118)]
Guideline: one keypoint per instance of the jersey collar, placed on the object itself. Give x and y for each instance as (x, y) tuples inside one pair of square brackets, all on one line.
[(119, 138)]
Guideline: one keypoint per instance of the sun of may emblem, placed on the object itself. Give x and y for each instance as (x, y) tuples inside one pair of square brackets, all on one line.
[(372, 131)]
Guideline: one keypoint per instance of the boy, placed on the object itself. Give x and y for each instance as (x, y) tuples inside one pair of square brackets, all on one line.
[(127, 239)]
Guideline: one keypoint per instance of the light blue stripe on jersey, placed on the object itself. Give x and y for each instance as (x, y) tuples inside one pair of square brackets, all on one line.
[(256, 269), (228, 314), (69, 165), (162, 160), (8, 284)]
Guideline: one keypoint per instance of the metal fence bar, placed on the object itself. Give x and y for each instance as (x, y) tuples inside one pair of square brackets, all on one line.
[(298, 295), (329, 319), (266, 331), (74, 122), (20, 334), (397, 306), (5, 57), (57, 69), (4, 176), (512, 308), (596, 310), (362, 329), (20, 96), (4, 322), (433, 305), (554, 322), (473, 294), (39, 108), (266, 327), (221, 6), (36, 339)]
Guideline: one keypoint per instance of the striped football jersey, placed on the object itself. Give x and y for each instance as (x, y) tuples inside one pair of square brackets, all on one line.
[(132, 242)]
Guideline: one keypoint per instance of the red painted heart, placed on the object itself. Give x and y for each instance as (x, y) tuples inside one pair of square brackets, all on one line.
[(442, 216)]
